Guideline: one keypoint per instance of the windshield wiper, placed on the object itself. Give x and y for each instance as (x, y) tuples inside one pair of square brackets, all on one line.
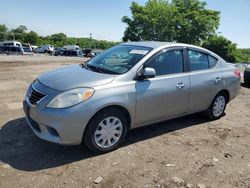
[(94, 67), (100, 69)]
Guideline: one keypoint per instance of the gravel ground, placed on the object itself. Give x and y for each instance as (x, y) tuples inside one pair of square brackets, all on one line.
[(185, 152)]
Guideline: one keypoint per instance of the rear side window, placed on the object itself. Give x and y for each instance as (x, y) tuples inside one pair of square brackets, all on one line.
[(198, 60), (169, 62), (212, 61)]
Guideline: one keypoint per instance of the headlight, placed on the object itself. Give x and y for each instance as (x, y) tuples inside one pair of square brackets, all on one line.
[(71, 97)]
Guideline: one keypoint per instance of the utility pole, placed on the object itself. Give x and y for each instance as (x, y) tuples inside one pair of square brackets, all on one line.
[(90, 39), (13, 36)]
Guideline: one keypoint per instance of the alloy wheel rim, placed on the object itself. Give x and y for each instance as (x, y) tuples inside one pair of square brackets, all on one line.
[(108, 132), (219, 105)]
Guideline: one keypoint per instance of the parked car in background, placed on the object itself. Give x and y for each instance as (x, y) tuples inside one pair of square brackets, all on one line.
[(71, 47), (27, 49), (45, 49), (11, 50), (93, 54), (247, 75), (33, 47), (87, 52), (125, 87), (12, 43), (73, 53), (59, 51)]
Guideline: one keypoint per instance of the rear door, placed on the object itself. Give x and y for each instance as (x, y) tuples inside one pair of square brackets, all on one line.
[(166, 95), (205, 79)]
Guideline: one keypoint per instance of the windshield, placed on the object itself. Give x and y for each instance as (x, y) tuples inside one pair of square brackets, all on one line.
[(118, 59)]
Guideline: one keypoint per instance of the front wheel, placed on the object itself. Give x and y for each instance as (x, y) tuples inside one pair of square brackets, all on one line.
[(106, 130), (217, 107)]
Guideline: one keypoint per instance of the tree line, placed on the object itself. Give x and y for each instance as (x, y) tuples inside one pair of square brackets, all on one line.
[(22, 35), (185, 21)]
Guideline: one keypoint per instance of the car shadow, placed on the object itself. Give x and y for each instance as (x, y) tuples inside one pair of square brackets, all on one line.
[(22, 150)]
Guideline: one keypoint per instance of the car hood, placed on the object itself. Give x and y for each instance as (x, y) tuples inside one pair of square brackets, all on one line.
[(73, 77)]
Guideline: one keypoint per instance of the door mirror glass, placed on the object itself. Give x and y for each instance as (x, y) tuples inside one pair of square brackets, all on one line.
[(149, 72)]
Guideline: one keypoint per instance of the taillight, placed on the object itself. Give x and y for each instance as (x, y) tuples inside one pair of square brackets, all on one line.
[(237, 73)]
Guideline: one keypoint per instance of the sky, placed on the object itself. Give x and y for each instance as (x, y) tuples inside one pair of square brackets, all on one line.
[(79, 18)]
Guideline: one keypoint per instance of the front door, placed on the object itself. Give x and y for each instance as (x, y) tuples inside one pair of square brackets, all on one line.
[(166, 95)]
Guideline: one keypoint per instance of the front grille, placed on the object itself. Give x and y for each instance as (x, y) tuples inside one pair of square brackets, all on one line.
[(35, 96)]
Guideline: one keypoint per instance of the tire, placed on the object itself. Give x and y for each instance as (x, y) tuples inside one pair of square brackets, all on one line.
[(102, 127), (217, 108), (45, 51)]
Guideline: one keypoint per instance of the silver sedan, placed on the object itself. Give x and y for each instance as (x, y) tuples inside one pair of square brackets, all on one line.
[(125, 87)]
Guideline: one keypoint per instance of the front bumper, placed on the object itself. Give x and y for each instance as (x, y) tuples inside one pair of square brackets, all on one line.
[(61, 126)]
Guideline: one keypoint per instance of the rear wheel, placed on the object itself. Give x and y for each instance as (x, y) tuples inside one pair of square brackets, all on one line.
[(106, 130), (217, 107)]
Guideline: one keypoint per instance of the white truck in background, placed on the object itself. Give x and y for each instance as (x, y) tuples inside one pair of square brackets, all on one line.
[(45, 49), (11, 43)]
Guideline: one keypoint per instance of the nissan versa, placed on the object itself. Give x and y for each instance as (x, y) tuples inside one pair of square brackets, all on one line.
[(128, 86)]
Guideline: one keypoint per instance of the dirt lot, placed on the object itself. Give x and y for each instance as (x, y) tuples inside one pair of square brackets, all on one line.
[(185, 152)]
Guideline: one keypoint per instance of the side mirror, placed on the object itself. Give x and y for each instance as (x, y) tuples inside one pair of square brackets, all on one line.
[(149, 72)]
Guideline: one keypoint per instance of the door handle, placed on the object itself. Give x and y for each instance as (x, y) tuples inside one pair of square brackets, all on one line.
[(180, 85)]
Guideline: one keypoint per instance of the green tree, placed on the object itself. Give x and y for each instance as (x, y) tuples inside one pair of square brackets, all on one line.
[(20, 29), (3, 32), (223, 47), (194, 22), (244, 55), (18, 33), (150, 22), (58, 38), (31, 38), (179, 20)]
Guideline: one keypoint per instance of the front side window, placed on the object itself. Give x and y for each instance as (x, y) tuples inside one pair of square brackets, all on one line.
[(198, 60), (169, 62), (118, 59)]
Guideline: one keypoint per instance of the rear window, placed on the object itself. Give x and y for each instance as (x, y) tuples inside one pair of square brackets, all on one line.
[(212, 61), (198, 60)]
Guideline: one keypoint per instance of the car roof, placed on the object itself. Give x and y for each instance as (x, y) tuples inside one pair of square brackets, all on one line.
[(157, 44), (150, 44)]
